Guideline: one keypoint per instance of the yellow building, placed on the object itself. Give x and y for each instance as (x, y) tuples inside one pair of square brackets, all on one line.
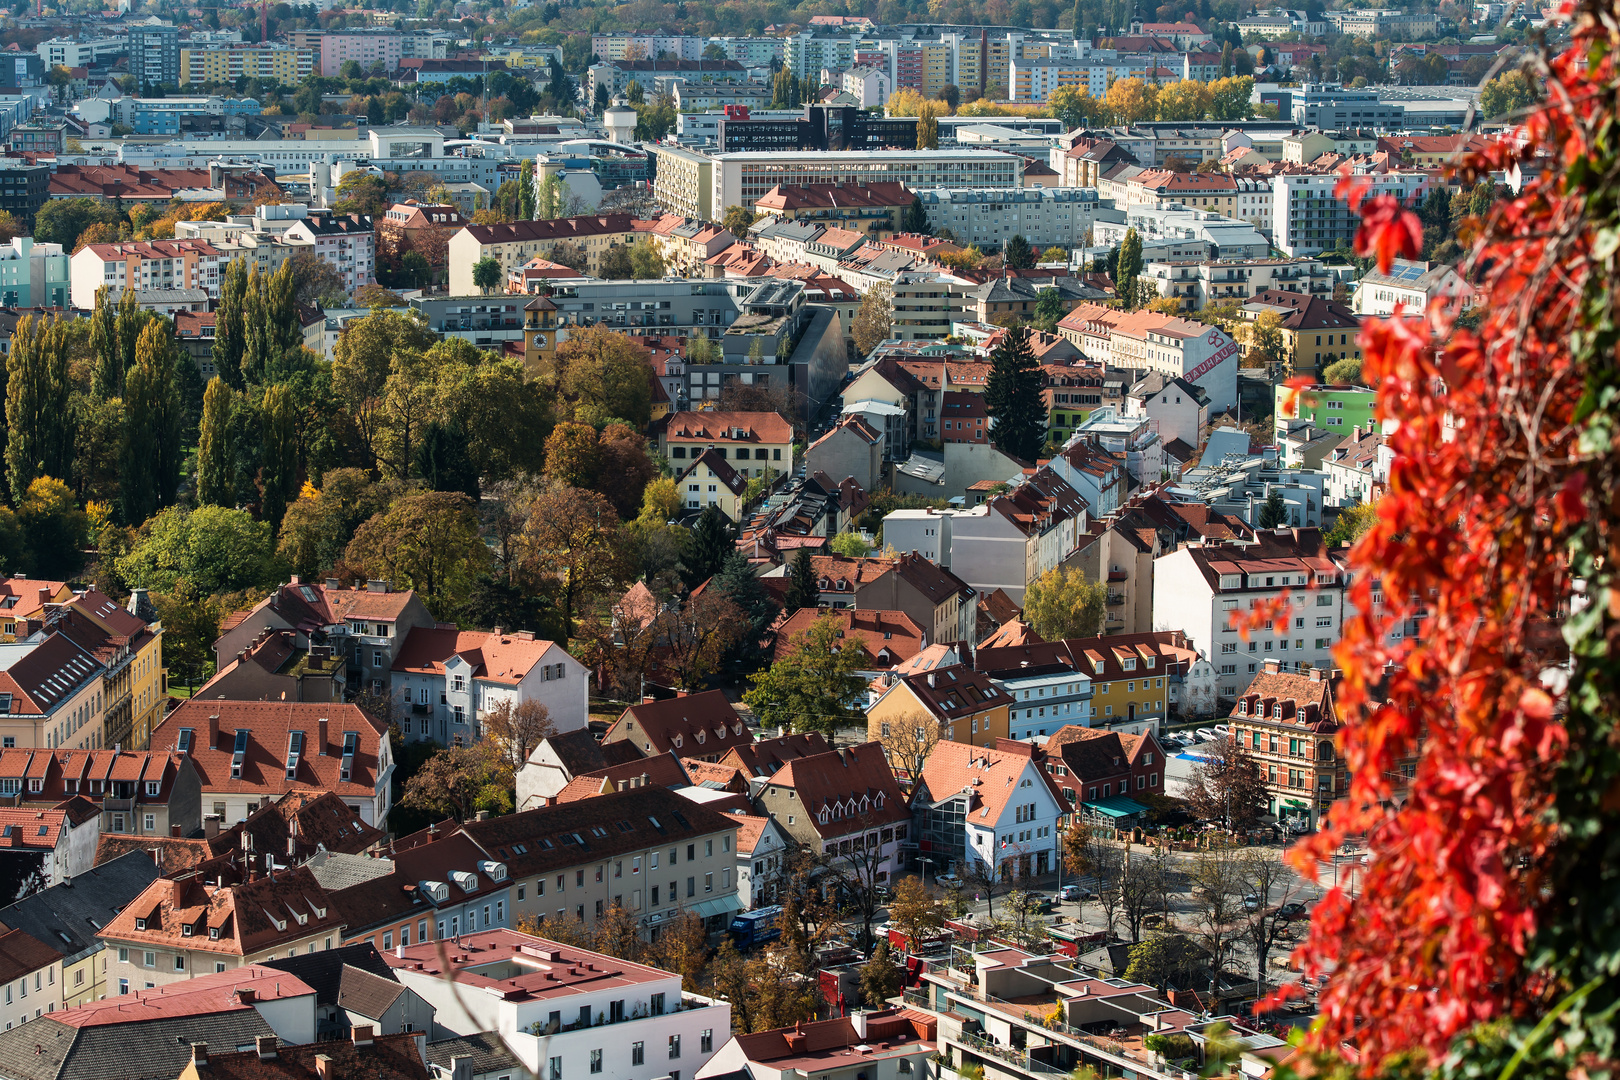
[(215, 64), (960, 704), (539, 336), (129, 648)]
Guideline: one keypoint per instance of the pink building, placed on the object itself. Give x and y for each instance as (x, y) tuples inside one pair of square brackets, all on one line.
[(364, 47)]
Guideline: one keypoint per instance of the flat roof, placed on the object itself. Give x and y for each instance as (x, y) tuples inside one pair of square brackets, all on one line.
[(521, 967), (868, 155)]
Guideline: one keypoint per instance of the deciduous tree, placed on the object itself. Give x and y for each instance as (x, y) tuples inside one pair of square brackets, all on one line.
[(518, 728), (459, 781), (427, 541), (215, 548), (149, 463), (573, 540), (874, 321), (39, 418), (913, 912), (814, 688), (1226, 785), (604, 375), (907, 739)]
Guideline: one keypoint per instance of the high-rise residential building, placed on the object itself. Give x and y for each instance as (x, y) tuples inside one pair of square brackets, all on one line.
[(741, 178), (224, 63), (154, 56)]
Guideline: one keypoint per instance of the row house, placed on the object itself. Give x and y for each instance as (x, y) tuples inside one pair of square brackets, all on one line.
[(1175, 347), (274, 668), (987, 810), (1135, 681), (345, 242), (1203, 589), (514, 244), (30, 977), (448, 681), (431, 886), (182, 927), (52, 695), (957, 703), (763, 847), (846, 805), (1286, 722), (144, 265), (245, 751), (366, 626), (142, 792), (646, 850), (41, 848), (1099, 771), (685, 244), (128, 646)]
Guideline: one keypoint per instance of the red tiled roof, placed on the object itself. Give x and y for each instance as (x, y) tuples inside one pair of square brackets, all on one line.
[(721, 427), (854, 785), (22, 830), (885, 637), (269, 724), (675, 724), (993, 775), (503, 658), (235, 920)]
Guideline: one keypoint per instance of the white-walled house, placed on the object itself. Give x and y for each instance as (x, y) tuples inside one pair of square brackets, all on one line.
[(1202, 587), (567, 1012), (886, 1044), (997, 807), (762, 850), (449, 680)]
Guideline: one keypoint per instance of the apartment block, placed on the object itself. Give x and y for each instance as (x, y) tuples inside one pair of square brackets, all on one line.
[(225, 63), (741, 178)]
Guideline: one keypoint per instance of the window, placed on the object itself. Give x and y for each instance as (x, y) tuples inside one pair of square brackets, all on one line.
[(674, 1047), (638, 1053), (708, 883), (706, 1041), (596, 1061), (149, 959), (179, 963), (554, 1071)]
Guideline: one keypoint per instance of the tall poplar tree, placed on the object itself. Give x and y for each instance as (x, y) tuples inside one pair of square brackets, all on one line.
[(1128, 270), (278, 474), (216, 456), (107, 378), (228, 333), (1012, 396), (256, 333), (131, 321), (39, 417), (149, 465), (281, 306)]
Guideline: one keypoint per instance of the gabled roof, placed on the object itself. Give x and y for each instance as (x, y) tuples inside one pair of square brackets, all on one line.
[(884, 637), (824, 1045), (22, 954), (1303, 700), (269, 726), (486, 1048), (280, 908), (1102, 659), (506, 659), (955, 691), (1095, 753), (579, 752), (367, 993), (68, 914), (721, 469), (31, 830), (767, 756), (323, 970), (40, 676), (992, 775), (553, 837), (693, 724), (724, 427), (386, 1057), (853, 789)]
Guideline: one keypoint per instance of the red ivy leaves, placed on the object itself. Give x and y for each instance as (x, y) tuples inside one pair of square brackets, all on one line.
[(1469, 548)]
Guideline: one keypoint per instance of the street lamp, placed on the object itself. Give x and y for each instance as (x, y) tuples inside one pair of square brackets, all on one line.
[(926, 864)]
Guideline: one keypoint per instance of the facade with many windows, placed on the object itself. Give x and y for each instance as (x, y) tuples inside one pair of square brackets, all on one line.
[(1286, 722)]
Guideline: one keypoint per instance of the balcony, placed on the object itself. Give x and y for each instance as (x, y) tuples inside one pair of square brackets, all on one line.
[(110, 804)]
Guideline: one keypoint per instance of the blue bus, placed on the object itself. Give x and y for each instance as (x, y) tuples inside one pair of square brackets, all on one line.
[(751, 928)]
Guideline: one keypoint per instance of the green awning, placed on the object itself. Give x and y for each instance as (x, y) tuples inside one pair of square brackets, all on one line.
[(720, 905), (1120, 806)]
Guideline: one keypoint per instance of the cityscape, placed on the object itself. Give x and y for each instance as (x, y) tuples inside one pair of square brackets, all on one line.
[(978, 540)]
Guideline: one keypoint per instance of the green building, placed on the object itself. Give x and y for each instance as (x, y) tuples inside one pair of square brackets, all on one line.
[(1328, 407)]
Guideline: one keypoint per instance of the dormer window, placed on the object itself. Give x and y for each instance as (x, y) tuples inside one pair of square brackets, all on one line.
[(140, 924), (184, 743), (186, 930), (153, 787), (700, 738), (677, 740), (213, 933)]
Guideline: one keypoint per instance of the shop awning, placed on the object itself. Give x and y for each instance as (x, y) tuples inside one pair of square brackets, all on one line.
[(720, 905), (1120, 806)]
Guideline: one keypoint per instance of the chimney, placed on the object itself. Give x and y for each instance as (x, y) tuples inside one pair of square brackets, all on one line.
[(333, 583), (210, 826), (246, 996), (266, 1045), (324, 1070), (213, 732), (321, 724), (362, 1035), (376, 586), (857, 1020), (177, 893), (930, 678), (1316, 674), (497, 630), (461, 1067), (174, 830), (199, 1054)]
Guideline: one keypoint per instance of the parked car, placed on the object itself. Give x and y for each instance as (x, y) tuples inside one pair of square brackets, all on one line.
[(1223, 730), (1251, 902), (948, 881), (1294, 910), (1205, 734), (1075, 892), (1036, 904)]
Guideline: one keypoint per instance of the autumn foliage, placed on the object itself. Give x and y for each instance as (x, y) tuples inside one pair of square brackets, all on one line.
[(1482, 909)]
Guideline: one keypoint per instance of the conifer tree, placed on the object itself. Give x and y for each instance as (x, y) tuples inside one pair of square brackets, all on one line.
[(1012, 396), (802, 589), (149, 462), (278, 473), (228, 341), (712, 541), (216, 464), (39, 417), (107, 377)]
